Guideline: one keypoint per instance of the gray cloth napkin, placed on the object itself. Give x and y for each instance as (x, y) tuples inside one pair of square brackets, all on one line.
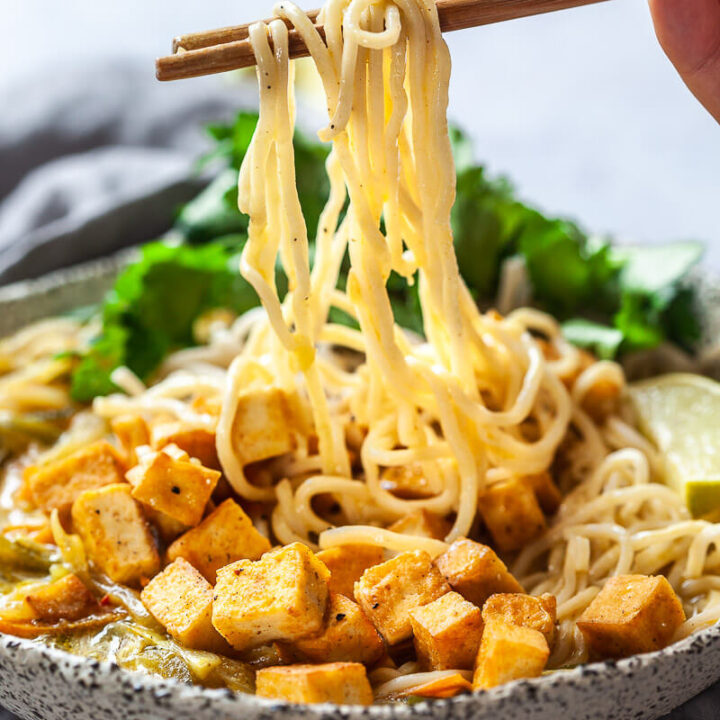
[(100, 160)]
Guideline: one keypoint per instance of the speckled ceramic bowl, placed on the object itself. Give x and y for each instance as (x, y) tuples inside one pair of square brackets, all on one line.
[(38, 682)]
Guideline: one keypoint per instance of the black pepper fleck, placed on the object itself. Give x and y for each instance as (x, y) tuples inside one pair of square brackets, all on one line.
[(175, 490)]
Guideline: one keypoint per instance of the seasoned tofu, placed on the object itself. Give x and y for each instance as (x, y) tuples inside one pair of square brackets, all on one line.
[(475, 571), (338, 683), (262, 427), (65, 599), (631, 614), (509, 652), (348, 636), (181, 600), (406, 481), (197, 442), (602, 399), (347, 563), (446, 633), (56, 485), (538, 613), (512, 514), (115, 534), (132, 431), (175, 486), (546, 491), (224, 536), (207, 404), (389, 591), (422, 523), (282, 596)]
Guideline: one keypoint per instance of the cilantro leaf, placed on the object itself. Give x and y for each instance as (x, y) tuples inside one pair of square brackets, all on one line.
[(652, 269), (152, 307), (602, 340)]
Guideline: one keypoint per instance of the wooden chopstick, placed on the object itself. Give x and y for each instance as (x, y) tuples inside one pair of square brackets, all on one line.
[(228, 48)]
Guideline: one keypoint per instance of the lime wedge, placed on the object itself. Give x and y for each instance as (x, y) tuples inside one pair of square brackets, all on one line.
[(680, 414)]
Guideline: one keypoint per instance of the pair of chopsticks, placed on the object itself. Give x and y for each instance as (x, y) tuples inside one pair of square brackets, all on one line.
[(217, 51)]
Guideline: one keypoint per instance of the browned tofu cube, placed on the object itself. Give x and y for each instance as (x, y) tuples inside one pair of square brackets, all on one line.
[(546, 491), (207, 404), (447, 632), (422, 523), (511, 514), (348, 636), (347, 563), (389, 591), (475, 571), (173, 485), (197, 442), (115, 534), (406, 481), (224, 536), (132, 431), (509, 652), (262, 427), (602, 399), (181, 600), (56, 485), (282, 596), (538, 613), (338, 683), (65, 599), (631, 614)]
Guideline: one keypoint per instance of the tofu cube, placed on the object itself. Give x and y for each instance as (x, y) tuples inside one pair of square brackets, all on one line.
[(631, 614), (282, 596), (447, 633), (511, 514), (56, 485), (132, 431), (224, 536), (65, 599), (347, 563), (509, 652), (115, 534), (389, 591), (406, 481), (348, 636), (181, 600), (546, 491), (422, 523), (475, 571), (207, 404), (175, 486), (602, 399), (338, 683), (262, 426), (538, 613), (197, 442)]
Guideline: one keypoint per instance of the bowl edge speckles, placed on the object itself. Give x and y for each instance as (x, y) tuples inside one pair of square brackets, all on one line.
[(42, 682)]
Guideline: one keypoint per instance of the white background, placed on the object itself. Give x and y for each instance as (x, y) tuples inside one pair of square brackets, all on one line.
[(580, 108)]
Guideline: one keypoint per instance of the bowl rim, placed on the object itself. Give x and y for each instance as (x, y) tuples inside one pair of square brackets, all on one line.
[(690, 645)]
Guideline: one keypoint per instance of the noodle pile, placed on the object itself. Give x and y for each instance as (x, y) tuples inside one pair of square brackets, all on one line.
[(478, 401)]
